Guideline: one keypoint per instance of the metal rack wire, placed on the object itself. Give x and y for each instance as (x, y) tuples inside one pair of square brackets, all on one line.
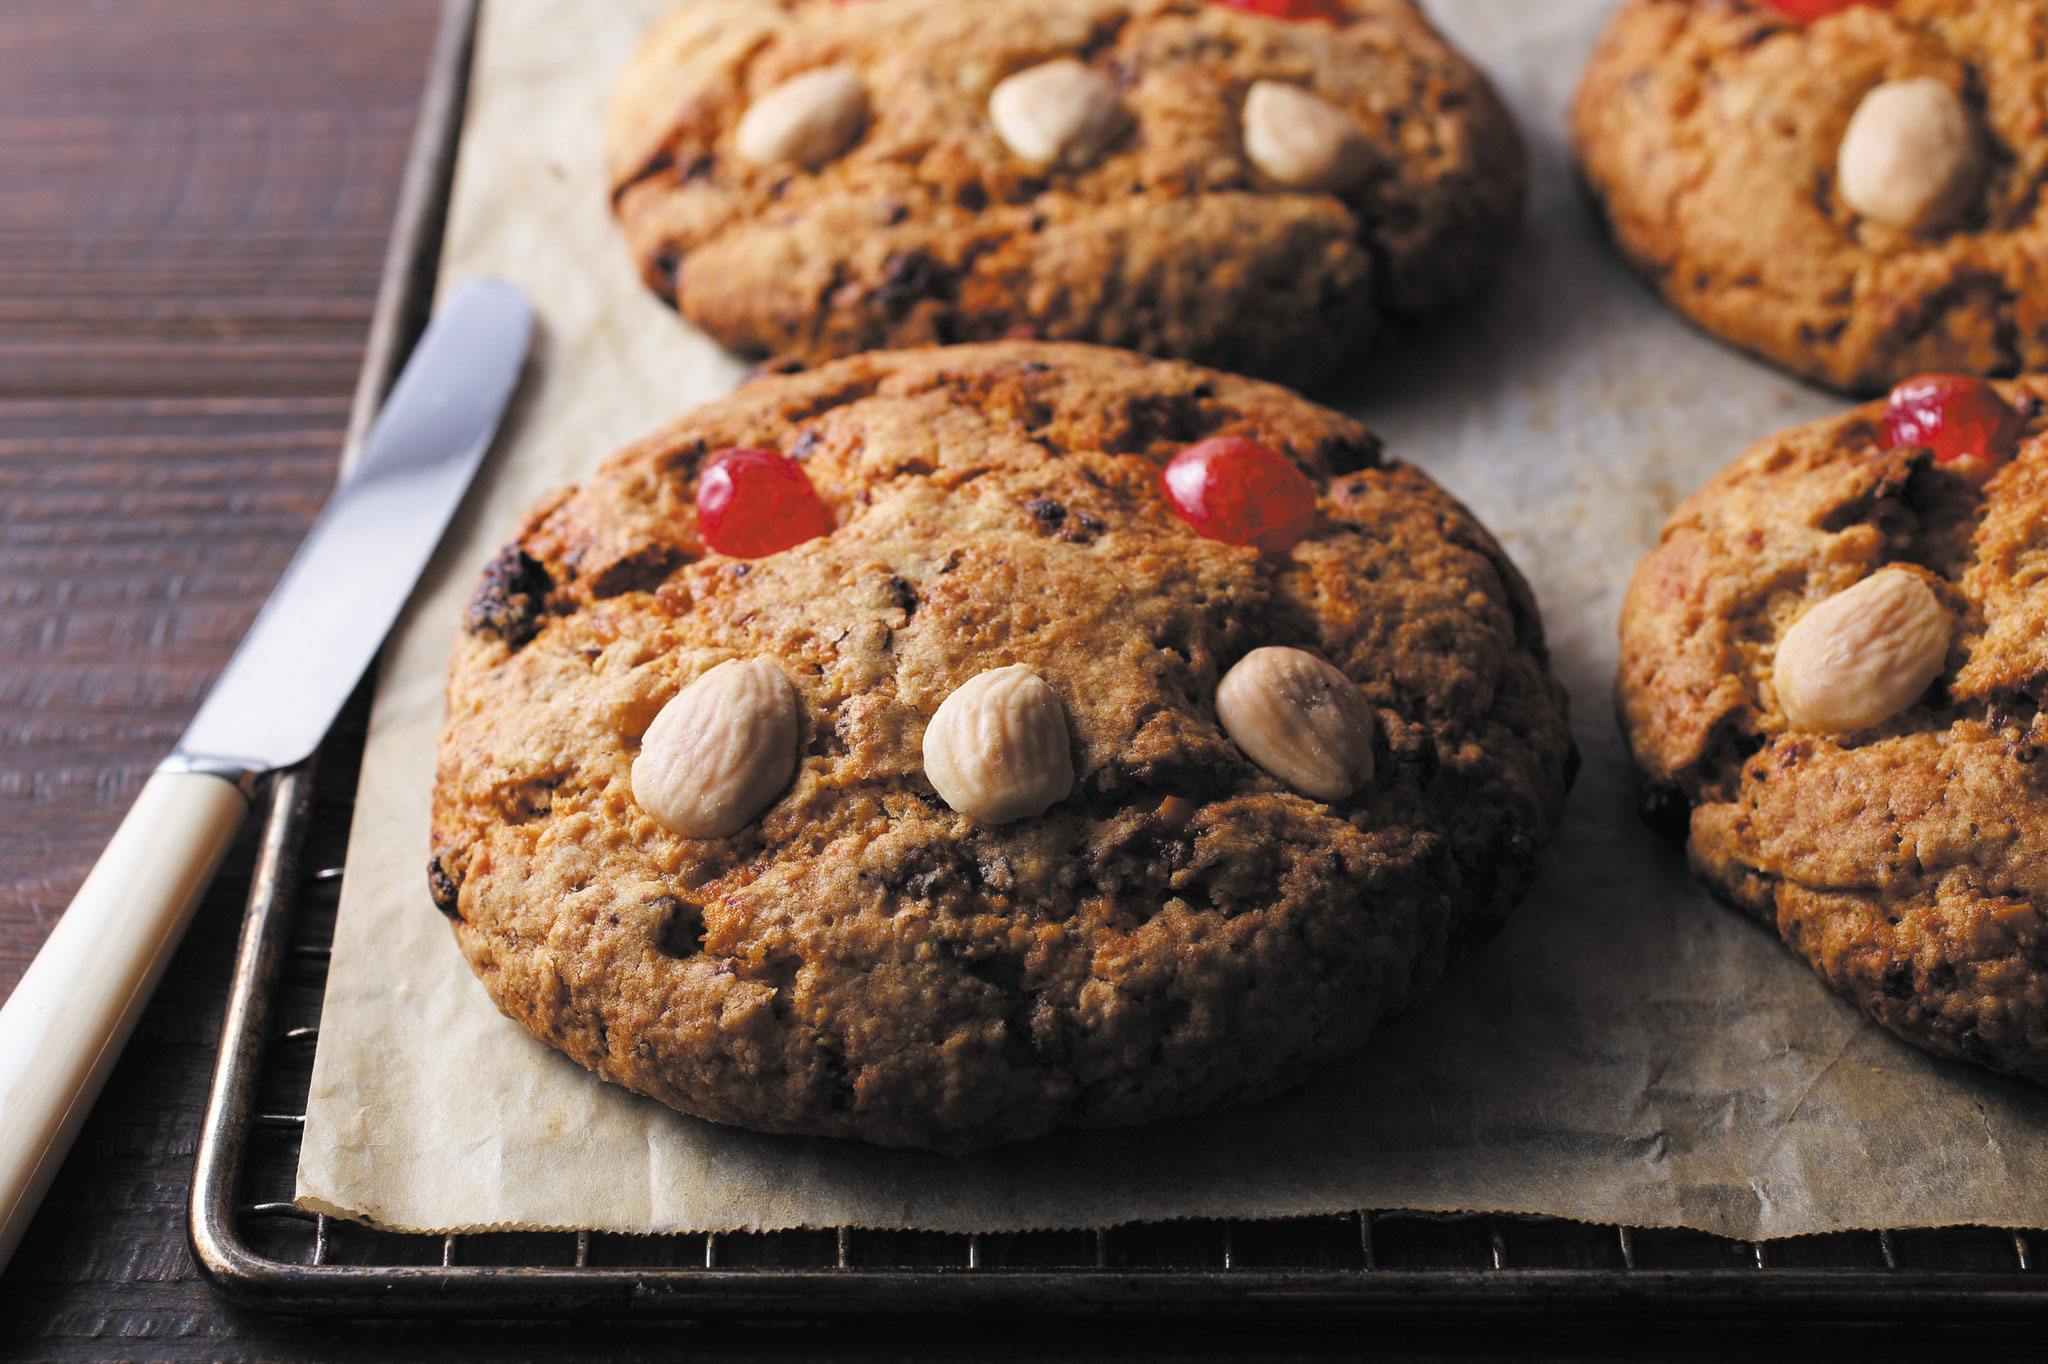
[(262, 1249)]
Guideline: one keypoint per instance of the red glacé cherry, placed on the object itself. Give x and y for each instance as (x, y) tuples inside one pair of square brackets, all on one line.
[(1961, 418), (752, 503), (1330, 11), (1807, 11), (1239, 492)]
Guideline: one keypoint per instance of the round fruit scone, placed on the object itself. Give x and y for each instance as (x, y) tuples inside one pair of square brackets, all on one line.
[(1248, 184), (1850, 189), (1832, 672), (941, 746)]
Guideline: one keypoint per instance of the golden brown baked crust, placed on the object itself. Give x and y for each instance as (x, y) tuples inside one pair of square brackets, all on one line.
[(1172, 243), (1708, 132), (1908, 863), (1181, 932)]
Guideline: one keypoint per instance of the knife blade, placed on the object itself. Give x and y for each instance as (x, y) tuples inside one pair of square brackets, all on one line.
[(65, 1023), (337, 600)]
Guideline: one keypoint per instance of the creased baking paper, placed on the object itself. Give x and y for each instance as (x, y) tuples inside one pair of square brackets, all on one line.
[(1627, 1051)]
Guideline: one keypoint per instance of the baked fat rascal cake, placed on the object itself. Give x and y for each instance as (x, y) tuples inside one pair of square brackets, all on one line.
[(1251, 185), (941, 746), (1832, 670), (1849, 189)]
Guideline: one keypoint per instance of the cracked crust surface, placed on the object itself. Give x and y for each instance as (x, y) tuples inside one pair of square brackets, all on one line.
[(1907, 863), (1182, 932), (1708, 130), (929, 230)]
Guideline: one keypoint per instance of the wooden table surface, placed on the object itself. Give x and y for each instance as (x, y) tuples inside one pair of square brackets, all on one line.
[(194, 200)]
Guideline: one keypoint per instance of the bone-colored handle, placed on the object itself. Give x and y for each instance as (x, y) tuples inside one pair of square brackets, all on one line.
[(64, 1025)]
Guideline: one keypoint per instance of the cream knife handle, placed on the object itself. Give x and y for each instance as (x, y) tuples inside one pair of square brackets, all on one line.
[(64, 1025)]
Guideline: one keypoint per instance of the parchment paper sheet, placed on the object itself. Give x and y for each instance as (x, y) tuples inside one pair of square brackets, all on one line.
[(1626, 1051)]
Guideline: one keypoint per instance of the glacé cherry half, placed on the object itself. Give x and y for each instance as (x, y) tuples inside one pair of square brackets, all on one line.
[(1806, 11), (1237, 491), (753, 502), (1329, 11), (1970, 428)]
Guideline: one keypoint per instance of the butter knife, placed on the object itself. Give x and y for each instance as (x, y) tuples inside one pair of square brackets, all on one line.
[(66, 1022)]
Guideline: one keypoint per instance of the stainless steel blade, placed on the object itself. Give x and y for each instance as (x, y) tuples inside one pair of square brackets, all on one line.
[(344, 588)]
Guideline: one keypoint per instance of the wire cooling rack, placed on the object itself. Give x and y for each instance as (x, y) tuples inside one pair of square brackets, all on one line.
[(261, 1249)]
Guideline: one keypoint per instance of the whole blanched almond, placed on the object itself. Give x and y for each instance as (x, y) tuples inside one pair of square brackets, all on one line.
[(1912, 157), (808, 119), (997, 747), (721, 751), (1058, 113), (1299, 719), (1863, 655), (1301, 140)]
